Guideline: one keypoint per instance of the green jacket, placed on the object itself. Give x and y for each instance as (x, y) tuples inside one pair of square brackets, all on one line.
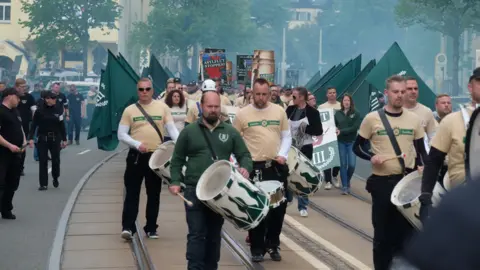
[(191, 144), (348, 125)]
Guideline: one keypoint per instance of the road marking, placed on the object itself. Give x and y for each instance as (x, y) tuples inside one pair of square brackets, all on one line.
[(349, 258), (303, 253), (49, 170), (84, 152)]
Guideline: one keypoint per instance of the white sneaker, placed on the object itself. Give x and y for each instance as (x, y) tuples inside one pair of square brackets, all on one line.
[(328, 186), (303, 213), (127, 235), (336, 181)]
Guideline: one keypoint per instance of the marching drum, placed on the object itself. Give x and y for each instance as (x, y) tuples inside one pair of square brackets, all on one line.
[(224, 190), (405, 197), (160, 160), (274, 190), (472, 147), (304, 177)]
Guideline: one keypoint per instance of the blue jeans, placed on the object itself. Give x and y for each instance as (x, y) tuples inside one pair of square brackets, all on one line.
[(75, 123), (302, 203), (204, 234), (347, 163)]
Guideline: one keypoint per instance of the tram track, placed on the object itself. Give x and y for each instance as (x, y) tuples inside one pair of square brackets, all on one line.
[(239, 251)]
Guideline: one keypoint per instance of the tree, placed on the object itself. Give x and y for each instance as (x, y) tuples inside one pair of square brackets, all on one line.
[(449, 17), (175, 27), (66, 23)]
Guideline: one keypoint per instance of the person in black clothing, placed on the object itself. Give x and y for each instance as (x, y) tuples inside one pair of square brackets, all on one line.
[(12, 141), (51, 137), (304, 123), (76, 106), (62, 103), (26, 108), (390, 228)]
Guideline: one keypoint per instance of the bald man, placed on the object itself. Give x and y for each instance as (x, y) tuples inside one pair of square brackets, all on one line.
[(193, 151)]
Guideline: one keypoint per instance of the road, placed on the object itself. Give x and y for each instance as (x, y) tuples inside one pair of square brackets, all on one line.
[(27, 241)]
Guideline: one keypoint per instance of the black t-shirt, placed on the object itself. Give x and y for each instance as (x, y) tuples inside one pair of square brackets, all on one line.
[(25, 108), (11, 126), (75, 103), (62, 103)]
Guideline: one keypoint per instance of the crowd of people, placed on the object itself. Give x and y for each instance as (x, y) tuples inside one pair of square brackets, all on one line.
[(260, 137)]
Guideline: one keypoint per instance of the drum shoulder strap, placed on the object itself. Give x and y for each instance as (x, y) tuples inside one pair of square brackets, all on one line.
[(391, 136), (212, 152), (150, 120)]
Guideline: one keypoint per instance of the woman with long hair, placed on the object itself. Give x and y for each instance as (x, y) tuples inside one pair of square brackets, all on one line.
[(179, 108), (348, 122), (304, 122)]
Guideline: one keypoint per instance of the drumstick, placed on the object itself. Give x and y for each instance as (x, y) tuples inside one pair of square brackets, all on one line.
[(189, 203)]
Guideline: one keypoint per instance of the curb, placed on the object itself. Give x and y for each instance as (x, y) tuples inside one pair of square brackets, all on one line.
[(57, 246)]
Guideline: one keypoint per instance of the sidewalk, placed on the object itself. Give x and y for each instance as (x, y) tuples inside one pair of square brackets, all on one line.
[(93, 238)]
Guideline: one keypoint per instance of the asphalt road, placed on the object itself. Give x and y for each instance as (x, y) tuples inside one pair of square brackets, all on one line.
[(26, 242)]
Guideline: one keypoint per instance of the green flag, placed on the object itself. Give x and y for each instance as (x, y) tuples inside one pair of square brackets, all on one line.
[(315, 78), (342, 79), (117, 91), (158, 75), (395, 62), (169, 73), (122, 61), (326, 77), (359, 79), (362, 98)]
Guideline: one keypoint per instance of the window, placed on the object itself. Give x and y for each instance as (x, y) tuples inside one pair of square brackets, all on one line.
[(5, 10), (303, 16)]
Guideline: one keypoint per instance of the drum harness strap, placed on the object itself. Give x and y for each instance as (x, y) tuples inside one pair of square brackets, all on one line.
[(150, 120), (392, 138)]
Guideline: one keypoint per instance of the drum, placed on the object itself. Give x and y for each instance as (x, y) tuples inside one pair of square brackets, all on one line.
[(304, 177), (275, 191), (224, 190), (160, 160), (405, 197), (472, 147)]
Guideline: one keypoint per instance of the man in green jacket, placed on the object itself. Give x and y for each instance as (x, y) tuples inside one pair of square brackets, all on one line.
[(193, 151)]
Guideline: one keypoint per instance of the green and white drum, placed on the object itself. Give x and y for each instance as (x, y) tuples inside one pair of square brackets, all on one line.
[(274, 190), (224, 190), (160, 160), (304, 177)]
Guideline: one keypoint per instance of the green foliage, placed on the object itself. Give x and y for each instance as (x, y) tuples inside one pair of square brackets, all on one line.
[(236, 25), (56, 24), (450, 17)]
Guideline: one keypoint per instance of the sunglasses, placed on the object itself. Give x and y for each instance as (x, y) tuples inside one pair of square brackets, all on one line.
[(144, 89)]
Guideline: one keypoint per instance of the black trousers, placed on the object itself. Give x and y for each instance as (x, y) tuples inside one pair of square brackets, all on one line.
[(10, 171), (47, 144), (138, 169), (390, 229), (329, 173), (204, 234), (267, 234), (75, 123)]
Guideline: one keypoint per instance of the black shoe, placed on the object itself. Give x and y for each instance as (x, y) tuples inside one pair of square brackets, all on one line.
[(77, 142), (8, 215), (22, 173), (43, 188), (275, 254), (257, 258), (55, 183)]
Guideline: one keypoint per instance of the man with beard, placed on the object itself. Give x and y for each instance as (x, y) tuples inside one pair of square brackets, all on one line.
[(286, 96), (449, 141), (266, 131), (443, 106), (275, 96), (390, 228), (195, 110), (244, 100), (193, 151)]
